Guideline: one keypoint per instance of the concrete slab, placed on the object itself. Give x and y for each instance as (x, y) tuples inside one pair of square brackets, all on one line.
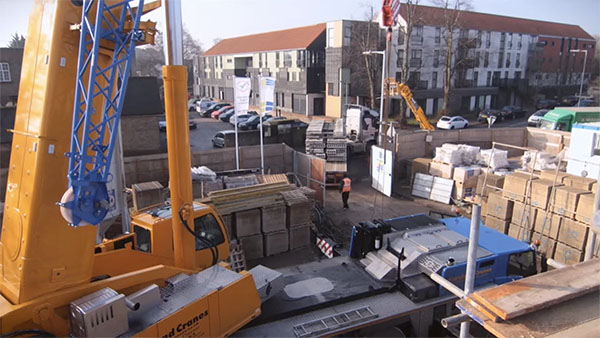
[(247, 222)]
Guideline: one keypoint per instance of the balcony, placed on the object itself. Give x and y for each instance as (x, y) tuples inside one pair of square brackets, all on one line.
[(520, 84)]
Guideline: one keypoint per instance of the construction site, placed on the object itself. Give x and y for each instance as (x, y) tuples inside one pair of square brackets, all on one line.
[(352, 226)]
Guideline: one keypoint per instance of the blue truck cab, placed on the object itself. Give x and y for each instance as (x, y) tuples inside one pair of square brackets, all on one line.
[(409, 249)]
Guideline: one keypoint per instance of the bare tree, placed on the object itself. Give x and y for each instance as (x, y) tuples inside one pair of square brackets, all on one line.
[(412, 18), (365, 36), (451, 18), (16, 41), (149, 59)]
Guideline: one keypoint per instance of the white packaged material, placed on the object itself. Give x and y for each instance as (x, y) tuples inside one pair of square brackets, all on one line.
[(470, 154), (539, 161), (494, 158), (203, 174), (448, 155)]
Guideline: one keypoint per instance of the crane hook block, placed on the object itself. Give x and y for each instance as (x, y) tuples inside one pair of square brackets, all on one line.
[(85, 204)]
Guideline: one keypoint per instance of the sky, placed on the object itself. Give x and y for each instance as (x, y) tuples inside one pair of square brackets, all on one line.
[(208, 20)]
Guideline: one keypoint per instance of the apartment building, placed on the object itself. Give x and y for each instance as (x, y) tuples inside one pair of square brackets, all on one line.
[(10, 75), (496, 60), (295, 57)]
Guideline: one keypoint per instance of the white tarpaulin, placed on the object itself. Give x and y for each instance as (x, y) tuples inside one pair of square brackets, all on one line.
[(381, 170)]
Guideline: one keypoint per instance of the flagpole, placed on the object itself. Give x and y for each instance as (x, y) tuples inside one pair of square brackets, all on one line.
[(237, 148)]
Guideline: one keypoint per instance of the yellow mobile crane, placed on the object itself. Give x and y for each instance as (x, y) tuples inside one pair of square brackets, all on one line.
[(403, 90), (164, 278)]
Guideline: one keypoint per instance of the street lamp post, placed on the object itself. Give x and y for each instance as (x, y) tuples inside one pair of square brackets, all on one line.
[(582, 72), (382, 92)]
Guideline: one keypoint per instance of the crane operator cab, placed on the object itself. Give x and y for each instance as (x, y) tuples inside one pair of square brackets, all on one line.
[(153, 227)]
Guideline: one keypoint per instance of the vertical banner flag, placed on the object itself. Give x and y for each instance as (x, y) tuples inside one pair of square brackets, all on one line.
[(241, 94), (241, 100), (267, 90)]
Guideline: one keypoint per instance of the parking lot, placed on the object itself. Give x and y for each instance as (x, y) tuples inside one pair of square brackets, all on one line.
[(200, 138)]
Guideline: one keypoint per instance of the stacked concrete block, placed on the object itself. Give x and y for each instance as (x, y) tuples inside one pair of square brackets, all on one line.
[(299, 236), (273, 218), (247, 223), (253, 246), (276, 242), (326, 140), (147, 194)]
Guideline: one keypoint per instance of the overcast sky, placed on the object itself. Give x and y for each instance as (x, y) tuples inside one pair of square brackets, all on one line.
[(211, 19)]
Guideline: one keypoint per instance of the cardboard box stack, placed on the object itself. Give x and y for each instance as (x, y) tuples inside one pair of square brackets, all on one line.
[(557, 215), (465, 182)]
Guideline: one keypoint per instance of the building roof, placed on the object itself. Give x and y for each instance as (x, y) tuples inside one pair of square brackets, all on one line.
[(434, 16), (295, 38)]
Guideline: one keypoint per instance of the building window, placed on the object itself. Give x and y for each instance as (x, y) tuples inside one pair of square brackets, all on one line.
[(436, 58), (507, 60), (434, 80), (300, 58), (464, 33), (500, 59), (488, 39), (415, 57), (287, 62), (277, 64), (400, 58), (479, 36), (417, 37), (486, 60), (477, 58), (330, 37), (518, 60), (510, 40), (475, 79), (506, 74), (488, 81), (347, 35), (400, 37), (520, 42), (438, 35), (502, 39), (552, 43), (398, 76), (260, 60), (329, 88)]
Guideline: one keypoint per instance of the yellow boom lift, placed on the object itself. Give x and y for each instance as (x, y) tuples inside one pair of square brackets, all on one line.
[(164, 278), (400, 89)]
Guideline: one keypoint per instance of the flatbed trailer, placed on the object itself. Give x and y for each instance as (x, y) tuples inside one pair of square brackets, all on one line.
[(358, 306), (342, 294)]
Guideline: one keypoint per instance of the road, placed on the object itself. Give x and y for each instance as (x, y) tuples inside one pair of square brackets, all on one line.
[(516, 123), (201, 137)]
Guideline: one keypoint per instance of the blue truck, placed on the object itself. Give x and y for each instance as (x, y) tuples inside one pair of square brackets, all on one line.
[(386, 278)]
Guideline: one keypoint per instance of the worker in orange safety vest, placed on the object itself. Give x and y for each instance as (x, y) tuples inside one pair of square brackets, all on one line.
[(345, 188)]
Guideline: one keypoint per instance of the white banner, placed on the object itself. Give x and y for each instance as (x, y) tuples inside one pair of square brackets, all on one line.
[(267, 90), (241, 94)]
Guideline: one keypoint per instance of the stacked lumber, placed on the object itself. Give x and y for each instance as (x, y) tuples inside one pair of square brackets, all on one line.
[(539, 305), (245, 198), (326, 140), (275, 178)]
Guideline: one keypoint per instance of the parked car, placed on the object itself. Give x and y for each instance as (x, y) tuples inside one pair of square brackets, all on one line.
[(226, 115), (587, 103), (253, 122), (546, 104), (215, 115), (276, 118), (484, 114), (452, 122), (203, 104), (212, 108), (569, 100), (162, 125), (240, 118), (218, 140), (512, 112), (536, 118)]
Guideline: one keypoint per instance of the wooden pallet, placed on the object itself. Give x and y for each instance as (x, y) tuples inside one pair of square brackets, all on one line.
[(237, 258)]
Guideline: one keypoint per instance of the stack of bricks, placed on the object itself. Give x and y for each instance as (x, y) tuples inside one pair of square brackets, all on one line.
[(557, 213)]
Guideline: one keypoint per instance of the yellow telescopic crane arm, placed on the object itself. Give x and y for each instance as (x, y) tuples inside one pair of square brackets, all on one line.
[(404, 91)]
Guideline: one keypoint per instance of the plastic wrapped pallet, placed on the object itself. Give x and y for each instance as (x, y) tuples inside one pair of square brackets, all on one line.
[(494, 158), (448, 155), (203, 173), (470, 154), (538, 161)]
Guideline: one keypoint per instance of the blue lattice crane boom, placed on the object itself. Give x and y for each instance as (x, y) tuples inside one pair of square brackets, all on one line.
[(112, 28)]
